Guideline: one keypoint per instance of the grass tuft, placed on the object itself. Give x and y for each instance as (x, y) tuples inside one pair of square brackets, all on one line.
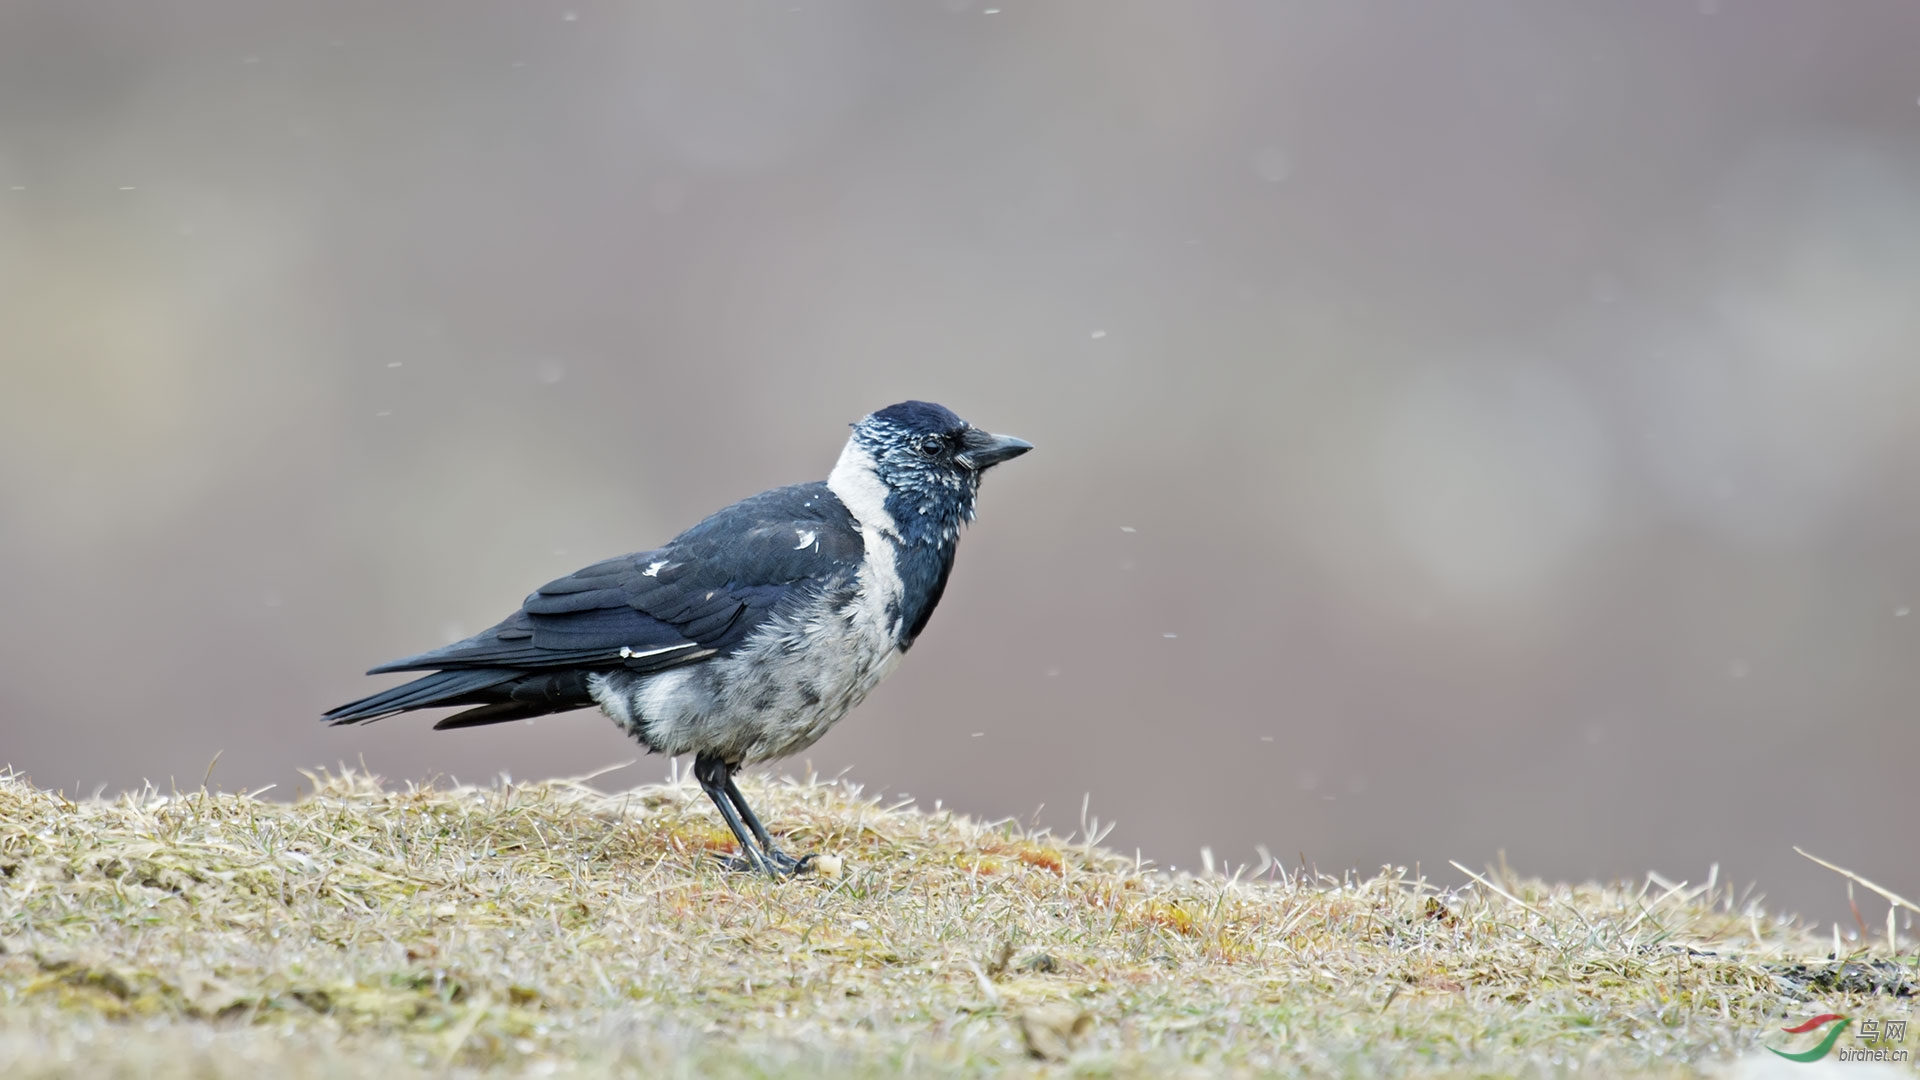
[(550, 929)]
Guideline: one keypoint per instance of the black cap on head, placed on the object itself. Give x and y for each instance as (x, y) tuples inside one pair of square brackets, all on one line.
[(921, 416)]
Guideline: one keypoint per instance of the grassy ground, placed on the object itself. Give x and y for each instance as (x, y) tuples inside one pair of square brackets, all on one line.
[(551, 930)]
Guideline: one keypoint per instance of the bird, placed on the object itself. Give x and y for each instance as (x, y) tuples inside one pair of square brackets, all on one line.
[(745, 638)]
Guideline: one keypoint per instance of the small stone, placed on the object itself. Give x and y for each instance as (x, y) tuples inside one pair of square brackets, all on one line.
[(1052, 1031), (1040, 964)]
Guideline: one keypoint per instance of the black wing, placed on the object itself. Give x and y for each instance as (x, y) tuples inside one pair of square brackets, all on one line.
[(700, 595)]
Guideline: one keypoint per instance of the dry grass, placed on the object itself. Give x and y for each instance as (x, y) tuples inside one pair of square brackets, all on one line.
[(549, 929)]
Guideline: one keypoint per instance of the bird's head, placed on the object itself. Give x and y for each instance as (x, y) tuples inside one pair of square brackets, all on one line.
[(914, 468)]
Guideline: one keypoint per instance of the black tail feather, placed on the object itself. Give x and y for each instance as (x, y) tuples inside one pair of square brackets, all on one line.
[(501, 694), (498, 713), (439, 688)]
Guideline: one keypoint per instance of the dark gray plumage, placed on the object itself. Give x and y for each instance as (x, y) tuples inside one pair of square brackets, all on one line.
[(746, 637)]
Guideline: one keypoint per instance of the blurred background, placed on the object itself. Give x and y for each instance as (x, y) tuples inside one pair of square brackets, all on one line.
[(1461, 427)]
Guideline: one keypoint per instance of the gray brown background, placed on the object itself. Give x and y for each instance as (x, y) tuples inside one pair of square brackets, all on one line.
[(1461, 426)]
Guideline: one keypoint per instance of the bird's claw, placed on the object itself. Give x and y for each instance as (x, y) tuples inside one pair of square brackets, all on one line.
[(776, 863)]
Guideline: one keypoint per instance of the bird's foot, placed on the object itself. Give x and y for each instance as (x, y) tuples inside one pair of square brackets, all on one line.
[(777, 863)]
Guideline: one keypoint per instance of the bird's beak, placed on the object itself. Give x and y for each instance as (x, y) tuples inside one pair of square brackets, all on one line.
[(984, 449)]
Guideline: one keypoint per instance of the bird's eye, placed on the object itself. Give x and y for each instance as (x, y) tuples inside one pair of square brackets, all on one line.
[(931, 445)]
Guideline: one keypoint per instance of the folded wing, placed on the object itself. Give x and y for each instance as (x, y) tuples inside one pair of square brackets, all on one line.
[(699, 596)]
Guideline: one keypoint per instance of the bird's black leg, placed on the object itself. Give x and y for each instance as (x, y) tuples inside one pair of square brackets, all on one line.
[(787, 863), (716, 779)]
